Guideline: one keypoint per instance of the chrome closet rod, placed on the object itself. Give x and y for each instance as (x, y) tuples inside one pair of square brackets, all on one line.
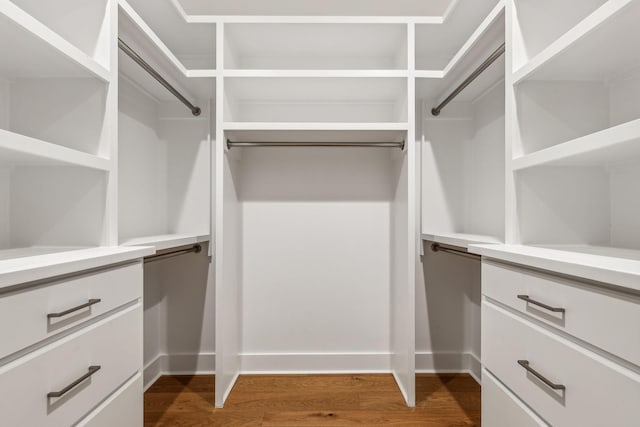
[(487, 62), (435, 247), (399, 145), (149, 69), (195, 249)]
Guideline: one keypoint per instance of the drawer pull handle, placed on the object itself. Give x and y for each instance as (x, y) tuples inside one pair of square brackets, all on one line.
[(71, 310), (525, 364), (92, 370), (540, 304)]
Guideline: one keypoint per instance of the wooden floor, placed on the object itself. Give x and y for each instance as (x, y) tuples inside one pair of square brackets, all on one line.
[(451, 400)]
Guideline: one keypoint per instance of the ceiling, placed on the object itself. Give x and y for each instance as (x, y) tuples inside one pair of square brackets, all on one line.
[(318, 7)]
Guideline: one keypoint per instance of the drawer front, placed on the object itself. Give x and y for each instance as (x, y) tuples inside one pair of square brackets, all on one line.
[(501, 408), (123, 409), (599, 316), (114, 344), (31, 308), (597, 392)]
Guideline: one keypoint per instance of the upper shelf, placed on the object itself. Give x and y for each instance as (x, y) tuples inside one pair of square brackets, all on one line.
[(134, 31), (194, 46), (435, 85), (439, 45), (600, 47), (29, 49), (315, 46), (16, 149), (610, 146)]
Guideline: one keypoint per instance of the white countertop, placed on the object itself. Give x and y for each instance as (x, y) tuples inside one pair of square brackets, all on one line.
[(30, 264), (620, 267)]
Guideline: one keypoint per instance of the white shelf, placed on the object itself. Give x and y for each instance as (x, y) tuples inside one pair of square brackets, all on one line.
[(167, 241), (37, 263), (617, 144), (16, 149), (314, 132), (462, 240), (141, 38), (191, 47), (30, 49), (266, 73), (601, 46), (616, 266)]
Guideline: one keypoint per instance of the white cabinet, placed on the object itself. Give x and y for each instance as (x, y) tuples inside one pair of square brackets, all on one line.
[(123, 409), (525, 344)]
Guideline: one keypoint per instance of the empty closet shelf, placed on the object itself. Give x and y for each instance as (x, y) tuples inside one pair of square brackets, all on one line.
[(462, 240)]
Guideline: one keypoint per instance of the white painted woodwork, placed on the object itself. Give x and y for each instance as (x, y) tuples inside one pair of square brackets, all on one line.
[(501, 408), (592, 382), (112, 343), (124, 408), (316, 46), (29, 307), (463, 169), (599, 316), (194, 46)]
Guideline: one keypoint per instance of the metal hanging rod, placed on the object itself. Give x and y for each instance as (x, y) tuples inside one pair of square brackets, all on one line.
[(149, 69), (195, 249), (487, 62), (436, 247), (399, 145)]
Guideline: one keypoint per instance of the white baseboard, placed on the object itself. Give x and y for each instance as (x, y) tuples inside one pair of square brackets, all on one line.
[(356, 363), (319, 363), (179, 364), (431, 363)]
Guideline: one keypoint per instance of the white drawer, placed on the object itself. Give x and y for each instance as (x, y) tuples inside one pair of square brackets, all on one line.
[(501, 408), (598, 392), (599, 316), (114, 344), (125, 408), (30, 307)]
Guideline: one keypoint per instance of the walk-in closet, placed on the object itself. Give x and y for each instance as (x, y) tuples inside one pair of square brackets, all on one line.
[(277, 213)]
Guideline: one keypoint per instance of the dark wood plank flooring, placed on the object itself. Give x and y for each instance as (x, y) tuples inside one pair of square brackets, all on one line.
[(446, 400)]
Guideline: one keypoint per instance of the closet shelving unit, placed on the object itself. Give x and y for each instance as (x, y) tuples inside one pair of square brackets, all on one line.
[(462, 150), (163, 147), (573, 162), (57, 174)]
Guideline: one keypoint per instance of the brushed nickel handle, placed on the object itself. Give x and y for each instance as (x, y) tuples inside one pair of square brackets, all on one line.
[(92, 370), (540, 304), (526, 365), (74, 309)]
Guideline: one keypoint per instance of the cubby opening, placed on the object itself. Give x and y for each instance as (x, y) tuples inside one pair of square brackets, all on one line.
[(535, 28), (317, 100), (69, 112), (463, 170), (316, 46), (84, 24), (437, 44), (194, 45), (554, 112), (164, 167), (48, 209), (304, 233), (591, 208)]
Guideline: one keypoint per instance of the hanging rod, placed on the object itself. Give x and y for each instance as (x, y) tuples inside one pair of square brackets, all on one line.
[(149, 69), (195, 249), (399, 145), (476, 73), (435, 247)]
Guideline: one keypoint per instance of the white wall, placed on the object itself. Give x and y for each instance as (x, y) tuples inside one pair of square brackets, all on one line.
[(5, 208), (316, 251), (625, 206)]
